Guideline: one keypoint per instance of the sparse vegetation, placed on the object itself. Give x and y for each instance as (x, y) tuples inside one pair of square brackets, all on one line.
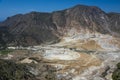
[(116, 73), (12, 71), (7, 51)]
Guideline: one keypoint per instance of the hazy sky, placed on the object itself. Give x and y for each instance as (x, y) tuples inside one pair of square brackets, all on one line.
[(12, 7)]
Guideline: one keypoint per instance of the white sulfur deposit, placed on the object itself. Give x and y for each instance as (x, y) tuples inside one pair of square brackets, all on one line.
[(61, 54)]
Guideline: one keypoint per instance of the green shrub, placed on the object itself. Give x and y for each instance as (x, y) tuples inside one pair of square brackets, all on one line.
[(5, 51), (116, 73), (12, 71)]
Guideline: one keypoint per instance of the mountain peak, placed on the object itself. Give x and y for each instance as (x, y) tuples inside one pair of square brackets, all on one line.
[(80, 5), (85, 7)]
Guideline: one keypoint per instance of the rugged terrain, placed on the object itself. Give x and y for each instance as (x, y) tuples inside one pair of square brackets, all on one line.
[(79, 43), (37, 28)]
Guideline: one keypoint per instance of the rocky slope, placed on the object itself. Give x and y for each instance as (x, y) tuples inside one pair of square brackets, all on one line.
[(29, 29), (5, 37), (114, 21), (36, 28)]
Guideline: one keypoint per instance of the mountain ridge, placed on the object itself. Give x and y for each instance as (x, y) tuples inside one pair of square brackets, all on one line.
[(38, 27)]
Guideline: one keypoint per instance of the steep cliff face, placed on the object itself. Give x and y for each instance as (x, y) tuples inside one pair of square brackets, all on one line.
[(37, 28)]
